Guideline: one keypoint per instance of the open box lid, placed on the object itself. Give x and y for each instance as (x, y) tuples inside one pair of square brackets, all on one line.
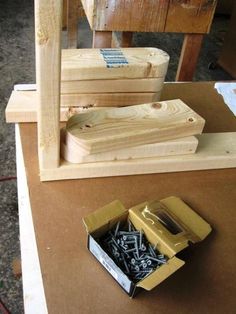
[(109, 63), (108, 214), (169, 224)]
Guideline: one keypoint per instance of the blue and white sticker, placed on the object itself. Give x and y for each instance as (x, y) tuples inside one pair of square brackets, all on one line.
[(114, 58)]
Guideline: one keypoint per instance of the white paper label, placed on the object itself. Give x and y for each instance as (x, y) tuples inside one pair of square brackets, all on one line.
[(109, 264)]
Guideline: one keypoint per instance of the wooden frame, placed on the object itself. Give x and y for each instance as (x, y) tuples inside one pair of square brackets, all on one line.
[(48, 15)]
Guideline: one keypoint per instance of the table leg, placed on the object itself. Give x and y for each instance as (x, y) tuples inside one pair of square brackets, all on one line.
[(189, 57), (126, 39), (102, 39), (72, 23), (65, 15)]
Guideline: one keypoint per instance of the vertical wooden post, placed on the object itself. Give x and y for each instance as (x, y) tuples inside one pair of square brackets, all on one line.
[(72, 23), (102, 39), (65, 14), (126, 39), (189, 57), (48, 20)]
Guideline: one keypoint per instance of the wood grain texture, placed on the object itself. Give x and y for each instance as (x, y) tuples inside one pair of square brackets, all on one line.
[(89, 7), (152, 85), (189, 57), (64, 14), (102, 39), (126, 39), (89, 64), (72, 22), (192, 16), (48, 18), (24, 108), (183, 146), (138, 16), (108, 99), (22, 105), (118, 128), (215, 151)]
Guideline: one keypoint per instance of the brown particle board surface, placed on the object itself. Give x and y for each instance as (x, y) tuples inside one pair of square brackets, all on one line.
[(74, 280)]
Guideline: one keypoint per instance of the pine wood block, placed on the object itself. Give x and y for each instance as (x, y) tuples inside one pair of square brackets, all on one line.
[(22, 105), (48, 20), (183, 146), (108, 99), (126, 63), (112, 86), (119, 128), (215, 151)]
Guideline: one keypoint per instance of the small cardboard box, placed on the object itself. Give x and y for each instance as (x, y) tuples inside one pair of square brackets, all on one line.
[(169, 224)]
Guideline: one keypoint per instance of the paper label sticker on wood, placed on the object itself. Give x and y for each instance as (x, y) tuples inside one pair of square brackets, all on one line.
[(118, 128), (129, 63)]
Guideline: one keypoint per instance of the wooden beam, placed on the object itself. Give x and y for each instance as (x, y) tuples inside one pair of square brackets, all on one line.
[(152, 85), (215, 151), (118, 128), (65, 14), (183, 146), (72, 22), (126, 39), (48, 18), (189, 57), (22, 105), (94, 64), (102, 39)]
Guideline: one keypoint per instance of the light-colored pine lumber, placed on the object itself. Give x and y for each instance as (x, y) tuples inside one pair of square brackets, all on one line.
[(48, 19), (215, 151), (152, 85), (119, 128), (89, 64), (22, 105), (183, 146), (108, 99)]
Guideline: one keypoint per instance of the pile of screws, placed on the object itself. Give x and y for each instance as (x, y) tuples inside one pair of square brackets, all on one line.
[(131, 251)]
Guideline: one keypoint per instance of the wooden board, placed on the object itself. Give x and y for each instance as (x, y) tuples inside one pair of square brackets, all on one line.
[(194, 16), (183, 146), (215, 151), (118, 128), (94, 64), (139, 16), (150, 85), (183, 16), (48, 19), (22, 105), (189, 57)]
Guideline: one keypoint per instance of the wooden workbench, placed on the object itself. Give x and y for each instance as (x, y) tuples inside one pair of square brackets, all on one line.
[(193, 18), (72, 281)]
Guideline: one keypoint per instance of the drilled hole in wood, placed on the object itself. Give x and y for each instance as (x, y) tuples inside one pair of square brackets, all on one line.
[(88, 125), (156, 105), (190, 119)]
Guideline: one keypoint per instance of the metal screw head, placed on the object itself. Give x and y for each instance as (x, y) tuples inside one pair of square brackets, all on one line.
[(143, 247)]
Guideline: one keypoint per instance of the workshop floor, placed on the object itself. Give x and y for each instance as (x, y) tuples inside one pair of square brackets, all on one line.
[(17, 66)]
